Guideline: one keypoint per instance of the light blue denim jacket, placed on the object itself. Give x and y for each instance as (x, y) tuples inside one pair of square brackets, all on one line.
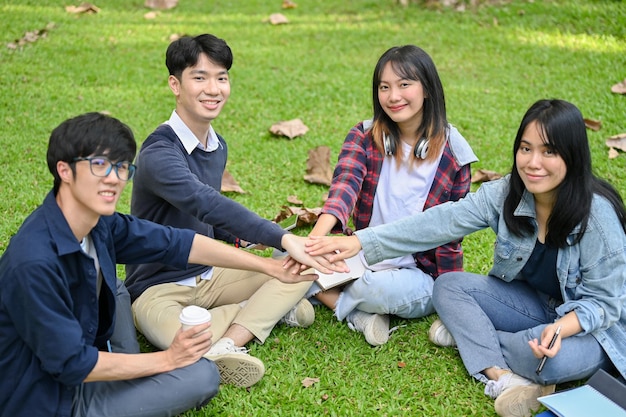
[(592, 272)]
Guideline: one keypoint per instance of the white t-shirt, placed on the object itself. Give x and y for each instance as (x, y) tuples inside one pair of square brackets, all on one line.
[(401, 191)]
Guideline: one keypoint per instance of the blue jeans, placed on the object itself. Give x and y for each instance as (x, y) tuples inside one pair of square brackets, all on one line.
[(403, 292), (166, 394), (492, 321)]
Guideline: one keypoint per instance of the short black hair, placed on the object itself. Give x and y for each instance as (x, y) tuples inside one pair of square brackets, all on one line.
[(185, 52), (87, 135)]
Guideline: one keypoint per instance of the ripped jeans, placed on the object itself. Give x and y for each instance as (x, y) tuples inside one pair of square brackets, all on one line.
[(404, 292)]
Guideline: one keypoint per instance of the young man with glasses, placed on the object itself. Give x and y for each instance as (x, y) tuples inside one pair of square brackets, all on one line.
[(68, 345), (178, 184)]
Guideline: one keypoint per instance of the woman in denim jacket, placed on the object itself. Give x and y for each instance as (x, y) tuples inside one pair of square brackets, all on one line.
[(559, 263)]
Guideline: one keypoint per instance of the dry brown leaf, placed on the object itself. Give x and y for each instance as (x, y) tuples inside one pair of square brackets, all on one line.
[(594, 125), (324, 397), (31, 36), (288, 4), (613, 153), (87, 8), (289, 128), (318, 169), (617, 141), (294, 200), (161, 4), (619, 88), (278, 19), (307, 382), (305, 215), (483, 175), (229, 184), (401, 364), (151, 15)]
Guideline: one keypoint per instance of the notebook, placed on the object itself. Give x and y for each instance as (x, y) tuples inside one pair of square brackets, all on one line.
[(357, 269), (601, 396)]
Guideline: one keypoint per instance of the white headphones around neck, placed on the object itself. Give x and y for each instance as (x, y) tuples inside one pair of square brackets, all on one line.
[(420, 151)]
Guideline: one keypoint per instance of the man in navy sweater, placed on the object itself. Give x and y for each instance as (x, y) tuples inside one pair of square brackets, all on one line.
[(68, 346), (178, 182)]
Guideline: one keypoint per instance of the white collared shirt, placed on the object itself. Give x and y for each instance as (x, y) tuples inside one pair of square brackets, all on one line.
[(188, 139), (191, 142)]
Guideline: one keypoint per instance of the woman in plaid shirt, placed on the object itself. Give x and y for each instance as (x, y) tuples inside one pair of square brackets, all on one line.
[(406, 160)]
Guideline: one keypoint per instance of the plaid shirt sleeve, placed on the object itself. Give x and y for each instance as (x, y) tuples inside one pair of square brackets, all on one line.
[(354, 180)]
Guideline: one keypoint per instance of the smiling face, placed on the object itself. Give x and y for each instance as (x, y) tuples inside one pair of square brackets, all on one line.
[(401, 99), (541, 169), (201, 93), (84, 197)]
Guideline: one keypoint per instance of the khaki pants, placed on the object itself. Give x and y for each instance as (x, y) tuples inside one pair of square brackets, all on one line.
[(156, 310)]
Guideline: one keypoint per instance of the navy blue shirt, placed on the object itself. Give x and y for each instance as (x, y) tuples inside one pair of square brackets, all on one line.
[(51, 323), (540, 270), (181, 189)]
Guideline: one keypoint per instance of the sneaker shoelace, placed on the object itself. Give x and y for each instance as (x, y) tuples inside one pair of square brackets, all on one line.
[(291, 317), (231, 348), (495, 388), (508, 380)]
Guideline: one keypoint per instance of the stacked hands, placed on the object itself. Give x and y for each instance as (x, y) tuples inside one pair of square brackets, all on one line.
[(324, 253)]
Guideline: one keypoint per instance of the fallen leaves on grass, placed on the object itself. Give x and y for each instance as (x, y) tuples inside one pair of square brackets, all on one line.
[(229, 184), (161, 4), (308, 381), (151, 15), (483, 175), (294, 200), (83, 8), (31, 36), (594, 125), (289, 128), (619, 88), (318, 169), (288, 4), (278, 19), (614, 143), (305, 215)]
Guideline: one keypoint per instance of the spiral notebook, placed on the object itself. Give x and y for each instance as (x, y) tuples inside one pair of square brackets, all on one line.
[(601, 396)]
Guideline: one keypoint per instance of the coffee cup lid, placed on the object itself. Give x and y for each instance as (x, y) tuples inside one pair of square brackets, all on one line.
[(194, 315)]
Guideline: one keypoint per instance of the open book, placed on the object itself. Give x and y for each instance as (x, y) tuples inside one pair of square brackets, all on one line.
[(601, 396), (357, 269)]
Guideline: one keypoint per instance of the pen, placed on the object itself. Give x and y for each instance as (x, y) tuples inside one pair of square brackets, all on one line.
[(545, 358)]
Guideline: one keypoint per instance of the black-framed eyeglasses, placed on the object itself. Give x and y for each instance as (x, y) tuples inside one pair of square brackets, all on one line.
[(101, 166)]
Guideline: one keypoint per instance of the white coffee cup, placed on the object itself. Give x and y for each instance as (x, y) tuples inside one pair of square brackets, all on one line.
[(194, 315)]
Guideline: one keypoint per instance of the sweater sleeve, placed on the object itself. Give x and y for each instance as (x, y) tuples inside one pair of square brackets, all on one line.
[(165, 182)]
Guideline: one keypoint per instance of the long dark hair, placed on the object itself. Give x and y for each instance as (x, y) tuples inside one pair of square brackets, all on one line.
[(412, 63), (563, 130)]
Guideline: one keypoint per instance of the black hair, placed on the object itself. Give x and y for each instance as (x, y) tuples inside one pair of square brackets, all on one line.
[(87, 135), (185, 52), (563, 130), (412, 63)]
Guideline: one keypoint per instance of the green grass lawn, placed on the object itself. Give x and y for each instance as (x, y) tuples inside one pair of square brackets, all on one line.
[(494, 60)]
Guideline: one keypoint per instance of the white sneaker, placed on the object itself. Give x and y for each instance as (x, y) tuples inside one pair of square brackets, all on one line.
[(439, 335), (375, 327), (516, 396), (301, 315), (236, 367)]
